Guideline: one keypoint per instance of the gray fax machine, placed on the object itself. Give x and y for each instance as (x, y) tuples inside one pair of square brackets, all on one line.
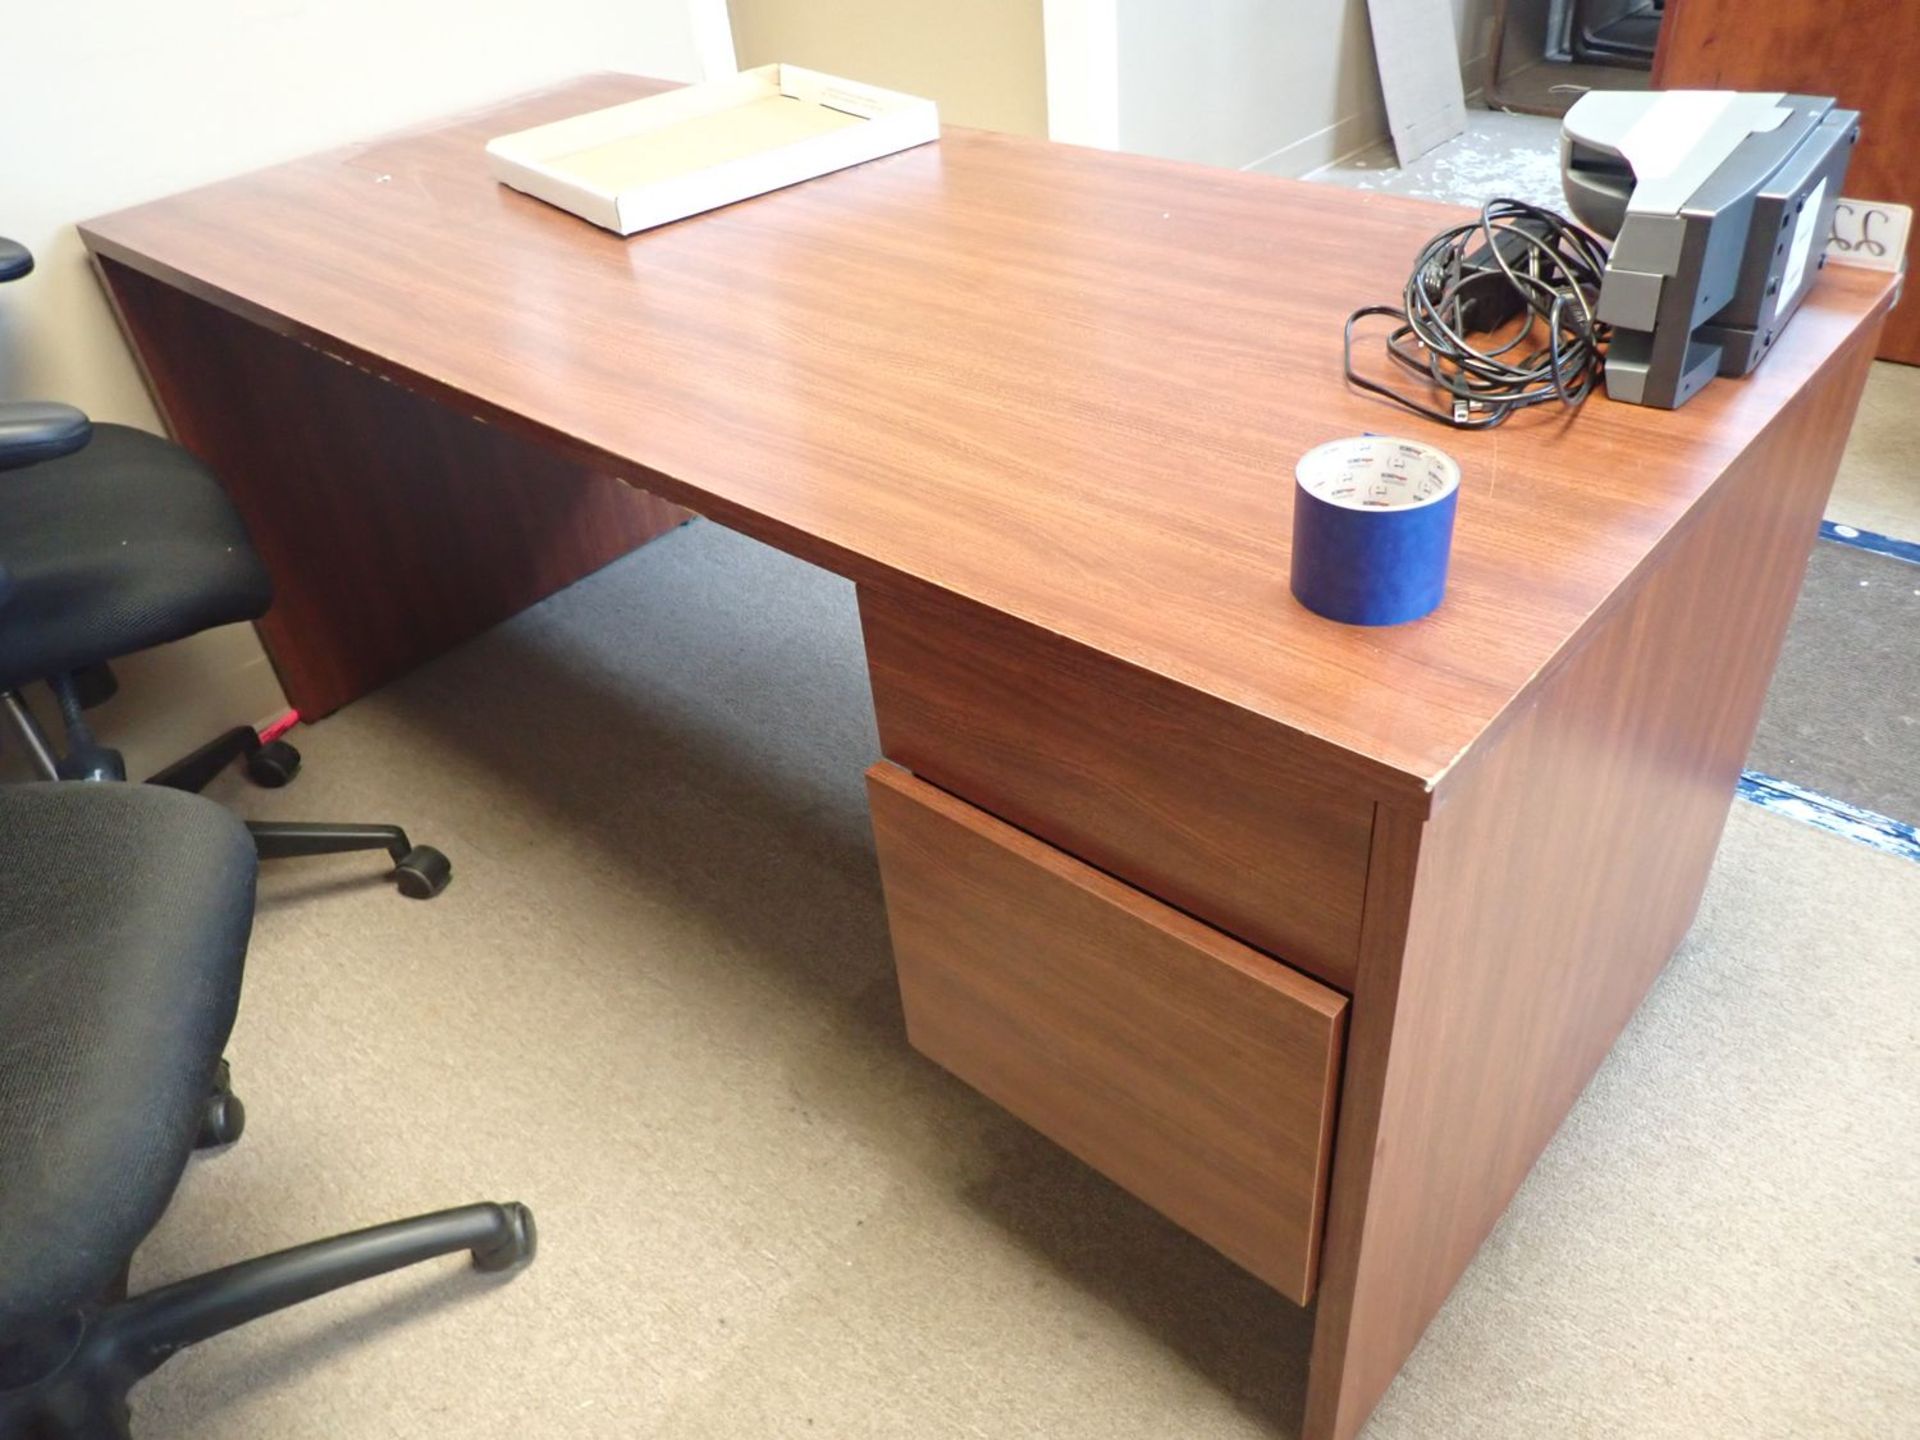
[(1718, 204)]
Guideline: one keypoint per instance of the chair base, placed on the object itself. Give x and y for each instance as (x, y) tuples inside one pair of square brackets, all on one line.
[(70, 1380), (223, 1119), (420, 872), (270, 764)]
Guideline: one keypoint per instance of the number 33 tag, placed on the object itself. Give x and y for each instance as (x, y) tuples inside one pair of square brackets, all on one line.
[(1872, 233)]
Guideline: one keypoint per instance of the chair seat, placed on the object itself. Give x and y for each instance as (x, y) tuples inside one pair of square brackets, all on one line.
[(122, 545), (124, 916)]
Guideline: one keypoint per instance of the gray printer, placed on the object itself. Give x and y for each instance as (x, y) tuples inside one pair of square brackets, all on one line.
[(1719, 204)]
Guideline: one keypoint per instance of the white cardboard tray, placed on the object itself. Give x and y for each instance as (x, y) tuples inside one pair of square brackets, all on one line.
[(633, 166)]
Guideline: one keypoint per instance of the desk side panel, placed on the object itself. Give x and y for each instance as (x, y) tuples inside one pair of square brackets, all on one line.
[(1510, 938), (393, 527)]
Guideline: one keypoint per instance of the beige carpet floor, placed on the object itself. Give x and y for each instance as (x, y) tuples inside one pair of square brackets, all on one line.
[(656, 1005)]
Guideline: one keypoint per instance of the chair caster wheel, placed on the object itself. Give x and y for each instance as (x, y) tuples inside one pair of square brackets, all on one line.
[(516, 1248), (423, 872), (223, 1118), (273, 764)]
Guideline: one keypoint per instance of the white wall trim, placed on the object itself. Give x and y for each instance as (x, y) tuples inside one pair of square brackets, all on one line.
[(1473, 79), (1346, 137), (1351, 135), (1083, 71)]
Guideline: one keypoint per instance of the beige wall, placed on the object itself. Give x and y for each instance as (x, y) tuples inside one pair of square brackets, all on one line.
[(1283, 86), (983, 62), (112, 102)]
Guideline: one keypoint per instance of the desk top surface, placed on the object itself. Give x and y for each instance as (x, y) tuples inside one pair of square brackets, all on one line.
[(1067, 384)]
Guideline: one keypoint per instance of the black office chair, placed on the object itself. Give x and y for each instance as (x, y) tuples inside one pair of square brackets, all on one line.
[(124, 916), (111, 541)]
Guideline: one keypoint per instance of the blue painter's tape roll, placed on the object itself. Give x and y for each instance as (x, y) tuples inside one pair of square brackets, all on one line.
[(1372, 525)]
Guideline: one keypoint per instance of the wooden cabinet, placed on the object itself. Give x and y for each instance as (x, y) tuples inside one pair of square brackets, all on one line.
[(1866, 55)]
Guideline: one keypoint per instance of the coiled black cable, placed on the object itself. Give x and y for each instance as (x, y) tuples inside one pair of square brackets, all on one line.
[(1529, 257)]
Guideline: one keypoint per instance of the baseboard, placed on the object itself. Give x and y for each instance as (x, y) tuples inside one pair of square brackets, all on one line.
[(1345, 137), (1473, 80)]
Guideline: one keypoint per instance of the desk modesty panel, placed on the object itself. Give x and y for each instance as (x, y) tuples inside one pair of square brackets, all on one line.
[(1183, 874)]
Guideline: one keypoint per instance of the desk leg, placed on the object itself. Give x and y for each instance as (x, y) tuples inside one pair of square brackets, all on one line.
[(393, 527), (1509, 937)]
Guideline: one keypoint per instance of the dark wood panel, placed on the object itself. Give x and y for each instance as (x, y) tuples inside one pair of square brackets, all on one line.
[(1509, 939), (1187, 798), (1066, 384), (393, 527), (1866, 53), (1195, 1072)]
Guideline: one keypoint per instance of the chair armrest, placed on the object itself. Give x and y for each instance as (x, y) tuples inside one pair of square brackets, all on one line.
[(15, 259), (36, 430)]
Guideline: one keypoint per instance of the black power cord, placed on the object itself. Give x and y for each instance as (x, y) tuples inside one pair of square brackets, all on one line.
[(1531, 259)]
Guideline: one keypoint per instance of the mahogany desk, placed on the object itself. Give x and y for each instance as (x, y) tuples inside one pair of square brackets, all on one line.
[(1307, 935)]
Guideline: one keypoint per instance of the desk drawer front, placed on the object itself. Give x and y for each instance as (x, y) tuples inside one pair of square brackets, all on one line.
[(1185, 797), (1195, 1072)]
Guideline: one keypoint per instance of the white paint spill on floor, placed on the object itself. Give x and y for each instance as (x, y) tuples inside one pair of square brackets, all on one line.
[(1499, 156)]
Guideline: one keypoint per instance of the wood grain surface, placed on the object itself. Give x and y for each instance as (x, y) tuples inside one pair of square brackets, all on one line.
[(1043, 405), (393, 527), (1066, 384), (1195, 1072), (1509, 939), (1866, 54), (1189, 799)]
